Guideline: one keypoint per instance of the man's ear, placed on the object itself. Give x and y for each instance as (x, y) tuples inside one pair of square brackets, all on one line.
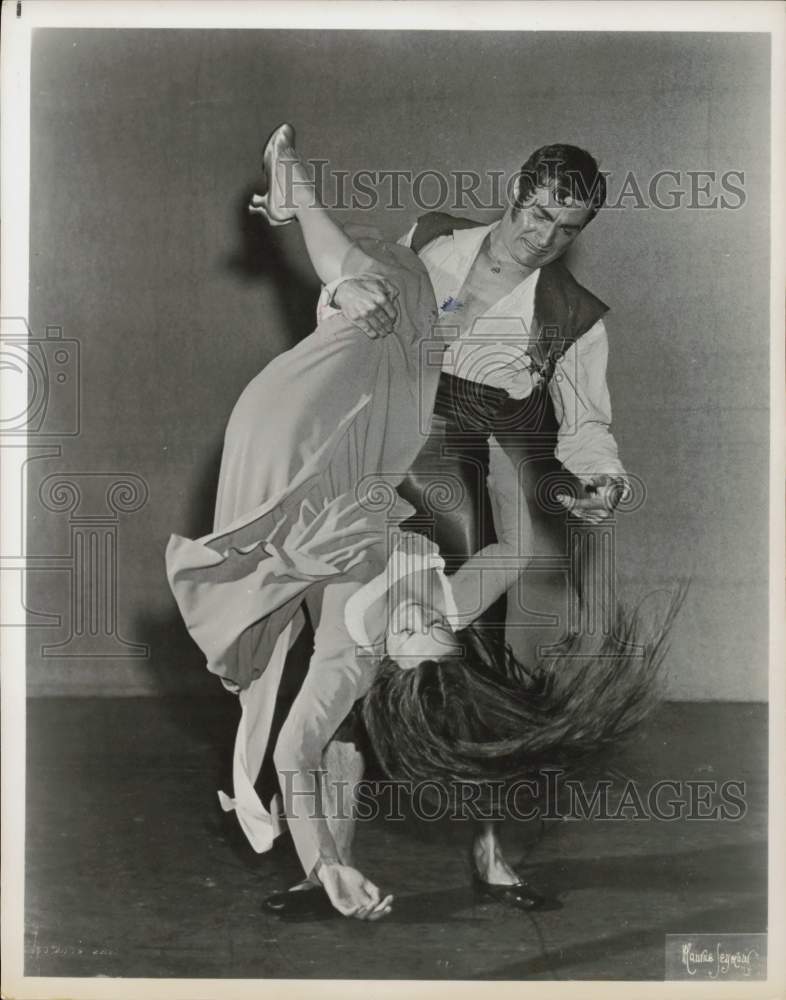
[(517, 184)]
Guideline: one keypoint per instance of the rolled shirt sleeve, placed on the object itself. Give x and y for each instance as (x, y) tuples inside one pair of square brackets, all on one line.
[(325, 304), (406, 239), (578, 389)]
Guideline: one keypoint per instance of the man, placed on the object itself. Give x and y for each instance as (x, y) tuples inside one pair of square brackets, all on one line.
[(528, 345)]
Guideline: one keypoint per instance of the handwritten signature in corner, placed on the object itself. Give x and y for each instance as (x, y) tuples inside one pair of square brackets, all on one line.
[(718, 962), (66, 950)]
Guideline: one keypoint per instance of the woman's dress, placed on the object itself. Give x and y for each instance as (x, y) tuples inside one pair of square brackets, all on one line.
[(313, 451)]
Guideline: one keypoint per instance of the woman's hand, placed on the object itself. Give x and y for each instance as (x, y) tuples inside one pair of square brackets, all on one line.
[(367, 302), (351, 893)]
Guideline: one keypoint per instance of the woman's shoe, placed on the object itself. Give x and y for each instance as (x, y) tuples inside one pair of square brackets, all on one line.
[(274, 202), (257, 206)]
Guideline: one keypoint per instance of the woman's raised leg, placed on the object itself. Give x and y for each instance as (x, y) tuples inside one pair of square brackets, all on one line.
[(292, 195)]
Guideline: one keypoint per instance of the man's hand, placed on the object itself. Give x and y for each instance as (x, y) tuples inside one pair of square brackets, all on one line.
[(352, 894), (368, 303), (603, 494)]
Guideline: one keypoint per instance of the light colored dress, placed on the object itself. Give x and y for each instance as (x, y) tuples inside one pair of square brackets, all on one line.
[(313, 452)]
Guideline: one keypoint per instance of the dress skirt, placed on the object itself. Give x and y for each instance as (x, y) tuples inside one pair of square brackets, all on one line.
[(313, 452)]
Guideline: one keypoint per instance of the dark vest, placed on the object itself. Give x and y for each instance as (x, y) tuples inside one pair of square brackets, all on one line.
[(564, 309)]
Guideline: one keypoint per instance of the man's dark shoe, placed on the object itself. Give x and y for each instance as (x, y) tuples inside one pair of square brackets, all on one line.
[(308, 903)]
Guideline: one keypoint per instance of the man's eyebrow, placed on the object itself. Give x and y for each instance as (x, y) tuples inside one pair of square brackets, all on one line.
[(550, 217)]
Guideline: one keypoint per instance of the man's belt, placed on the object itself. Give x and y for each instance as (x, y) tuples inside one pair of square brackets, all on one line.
[(468, 406)]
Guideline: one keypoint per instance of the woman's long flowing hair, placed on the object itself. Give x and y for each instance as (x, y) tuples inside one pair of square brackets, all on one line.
[(485, 717)]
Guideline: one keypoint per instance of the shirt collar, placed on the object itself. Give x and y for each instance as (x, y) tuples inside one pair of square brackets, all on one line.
[(365, 613), (467, 244)]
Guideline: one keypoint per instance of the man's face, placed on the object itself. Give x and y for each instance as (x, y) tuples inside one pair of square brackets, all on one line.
[(542, 229)]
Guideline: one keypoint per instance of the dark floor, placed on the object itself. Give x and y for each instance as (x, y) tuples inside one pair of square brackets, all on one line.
[(133, 871)]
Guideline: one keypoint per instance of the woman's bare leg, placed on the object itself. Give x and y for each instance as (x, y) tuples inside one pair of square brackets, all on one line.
[(292, 195)]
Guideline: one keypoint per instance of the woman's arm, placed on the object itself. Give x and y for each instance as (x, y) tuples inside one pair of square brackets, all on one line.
[(317, 804), (491, 572), (333, 250)]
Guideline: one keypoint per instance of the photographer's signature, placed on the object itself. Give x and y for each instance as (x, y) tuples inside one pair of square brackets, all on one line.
[(717, 962)]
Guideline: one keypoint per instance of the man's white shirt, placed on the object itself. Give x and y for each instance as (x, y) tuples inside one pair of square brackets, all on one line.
[(494, 352)]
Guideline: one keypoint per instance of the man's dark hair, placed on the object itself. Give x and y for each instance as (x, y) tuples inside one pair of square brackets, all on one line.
[(568, 171)]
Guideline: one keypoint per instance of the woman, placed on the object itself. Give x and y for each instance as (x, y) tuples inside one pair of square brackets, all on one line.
[(308, 519)]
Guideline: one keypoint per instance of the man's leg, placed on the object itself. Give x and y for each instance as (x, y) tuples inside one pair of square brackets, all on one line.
[(454, 464), (538, 609), (517, 497)]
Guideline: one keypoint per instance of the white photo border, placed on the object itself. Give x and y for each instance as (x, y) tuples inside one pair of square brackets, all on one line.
[(482, 15)]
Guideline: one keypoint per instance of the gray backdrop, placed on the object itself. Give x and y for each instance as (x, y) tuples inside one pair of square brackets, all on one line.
[(145, 146)]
